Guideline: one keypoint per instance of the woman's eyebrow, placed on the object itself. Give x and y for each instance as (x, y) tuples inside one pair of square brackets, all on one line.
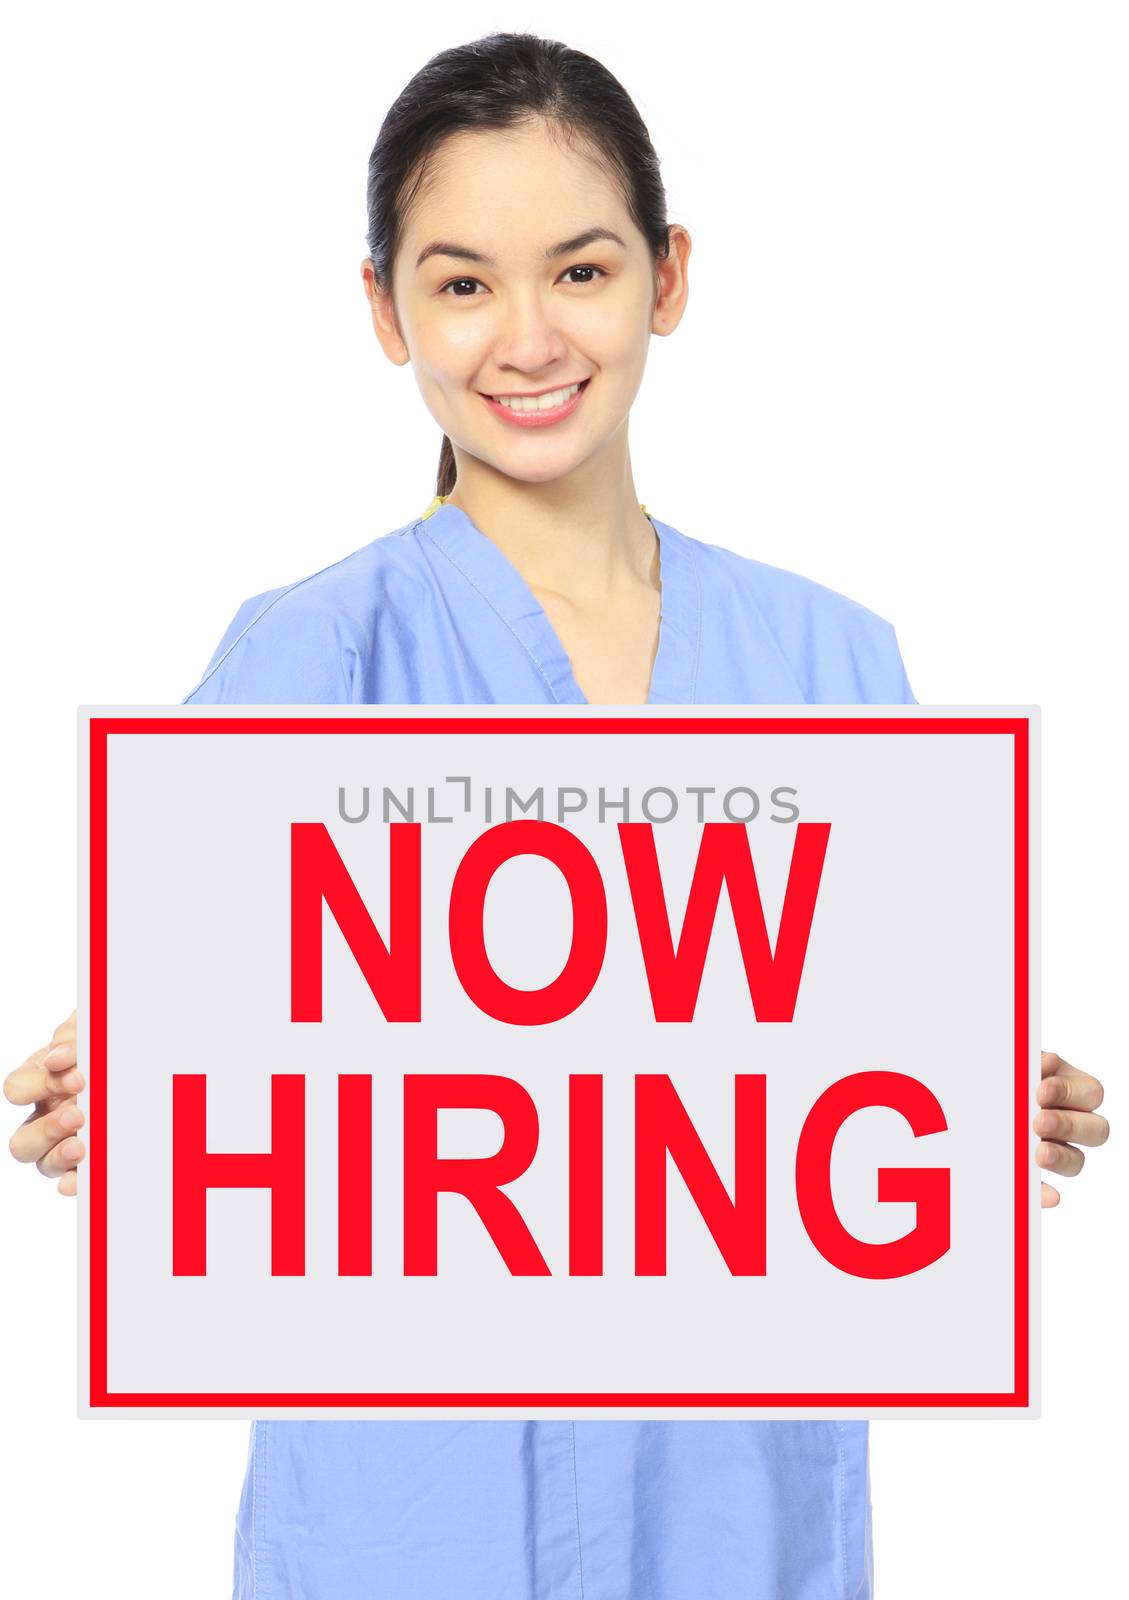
[(444, 247)]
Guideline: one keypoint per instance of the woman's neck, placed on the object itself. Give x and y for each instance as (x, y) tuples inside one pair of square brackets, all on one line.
[(590, 552)]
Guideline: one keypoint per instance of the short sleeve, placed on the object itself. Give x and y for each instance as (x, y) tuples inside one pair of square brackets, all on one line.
[(283, 648), (884, 671)]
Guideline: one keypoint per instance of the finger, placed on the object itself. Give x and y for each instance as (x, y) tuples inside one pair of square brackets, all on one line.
[(1062, 1159), (68, 1183), (67, 1030), (33, 1082), (59, 1057), (36, 1134), (61, 1157), (1070, 1088), (1063, 1084), (1072, 1127), (1049, 1196)]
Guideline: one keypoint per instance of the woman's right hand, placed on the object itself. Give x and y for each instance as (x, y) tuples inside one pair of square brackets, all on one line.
[(49, 1079)]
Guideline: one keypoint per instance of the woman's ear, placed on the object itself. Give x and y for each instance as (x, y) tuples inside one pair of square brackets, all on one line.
[(384, 316), (672, 282)]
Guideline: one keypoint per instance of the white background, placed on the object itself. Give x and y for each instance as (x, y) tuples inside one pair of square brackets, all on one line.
[(901, 372)]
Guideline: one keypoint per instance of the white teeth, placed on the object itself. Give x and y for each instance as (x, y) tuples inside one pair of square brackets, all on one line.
[(541, 402)]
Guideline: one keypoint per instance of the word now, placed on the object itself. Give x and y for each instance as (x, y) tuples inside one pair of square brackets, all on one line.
[(674, 976), (662, 1125)]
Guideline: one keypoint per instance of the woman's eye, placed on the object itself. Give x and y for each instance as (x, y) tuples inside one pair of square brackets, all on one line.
[(456, 283), (600, 270)]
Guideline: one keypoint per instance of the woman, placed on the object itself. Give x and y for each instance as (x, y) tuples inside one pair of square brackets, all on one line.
[(520, 250)]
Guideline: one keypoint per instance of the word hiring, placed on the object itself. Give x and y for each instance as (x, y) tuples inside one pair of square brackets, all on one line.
[(737, 1223)]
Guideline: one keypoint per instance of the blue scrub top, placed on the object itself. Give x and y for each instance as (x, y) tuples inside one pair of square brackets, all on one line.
[(434, 613)]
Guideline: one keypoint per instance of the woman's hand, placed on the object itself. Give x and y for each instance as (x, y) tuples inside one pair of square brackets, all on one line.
[(50, 1079), (1068, 1098)]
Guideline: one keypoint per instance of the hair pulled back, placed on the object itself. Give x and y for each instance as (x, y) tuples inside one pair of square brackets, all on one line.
[(500, 81)]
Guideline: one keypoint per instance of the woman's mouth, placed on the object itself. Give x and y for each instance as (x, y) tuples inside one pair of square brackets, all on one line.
[(540, 411)]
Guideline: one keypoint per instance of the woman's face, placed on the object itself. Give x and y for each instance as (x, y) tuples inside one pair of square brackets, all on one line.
[(511, 299)]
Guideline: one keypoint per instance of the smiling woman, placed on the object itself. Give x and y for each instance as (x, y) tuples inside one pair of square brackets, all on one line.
[(542, 306), (520, 260)]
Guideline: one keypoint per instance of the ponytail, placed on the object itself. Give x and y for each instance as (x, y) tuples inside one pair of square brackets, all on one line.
[(446, 471)]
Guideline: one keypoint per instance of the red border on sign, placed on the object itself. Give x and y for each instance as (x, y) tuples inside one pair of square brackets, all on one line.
[(101, 730)]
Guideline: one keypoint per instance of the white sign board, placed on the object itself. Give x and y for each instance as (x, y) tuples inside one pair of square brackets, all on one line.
[(598, 1062)]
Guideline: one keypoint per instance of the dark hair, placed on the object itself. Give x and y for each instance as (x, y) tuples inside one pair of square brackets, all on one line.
[(495, 82)]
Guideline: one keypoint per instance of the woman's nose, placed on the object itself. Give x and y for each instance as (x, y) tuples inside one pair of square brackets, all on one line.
[(528, 337)]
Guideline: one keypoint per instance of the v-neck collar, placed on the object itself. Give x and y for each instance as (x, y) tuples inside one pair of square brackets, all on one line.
[(494, 575)]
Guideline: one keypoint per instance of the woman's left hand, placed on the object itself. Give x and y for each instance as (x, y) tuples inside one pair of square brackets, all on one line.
[(1067, 1098)]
